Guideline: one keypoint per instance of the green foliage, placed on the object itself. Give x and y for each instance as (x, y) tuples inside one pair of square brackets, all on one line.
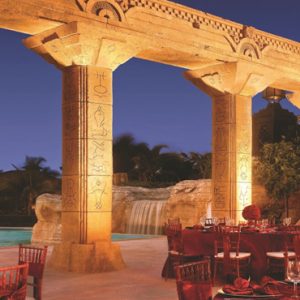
[(155, 167), (278, 169), (27, 182)]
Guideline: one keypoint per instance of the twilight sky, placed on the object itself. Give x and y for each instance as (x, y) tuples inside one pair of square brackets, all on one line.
[(151, 101)]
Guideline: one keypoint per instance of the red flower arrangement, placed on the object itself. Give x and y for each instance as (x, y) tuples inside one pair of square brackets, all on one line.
[(251, 212)]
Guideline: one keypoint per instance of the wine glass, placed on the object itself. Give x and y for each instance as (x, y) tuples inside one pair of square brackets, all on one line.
[(286, 221), (293, 274), (216, 221), (202, 220), (264, 223)]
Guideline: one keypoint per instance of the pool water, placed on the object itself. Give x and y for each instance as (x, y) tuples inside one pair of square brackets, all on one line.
[(15, 236)]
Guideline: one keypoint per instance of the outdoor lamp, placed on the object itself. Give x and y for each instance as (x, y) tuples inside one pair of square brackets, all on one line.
[(273, 95)]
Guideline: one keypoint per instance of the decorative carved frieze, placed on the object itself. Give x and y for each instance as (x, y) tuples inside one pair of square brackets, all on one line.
[(106, 10), (235, 33)]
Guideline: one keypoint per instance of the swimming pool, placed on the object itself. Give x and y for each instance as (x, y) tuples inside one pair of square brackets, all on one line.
[(15, 236)]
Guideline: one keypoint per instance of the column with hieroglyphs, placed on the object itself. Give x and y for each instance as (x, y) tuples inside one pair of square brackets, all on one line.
[(231, 86), (87, 58), (87, 152)]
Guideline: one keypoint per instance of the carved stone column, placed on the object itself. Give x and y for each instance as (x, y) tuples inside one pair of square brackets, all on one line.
[(87, 58), (87, 154), (232, 154), (231, 86)]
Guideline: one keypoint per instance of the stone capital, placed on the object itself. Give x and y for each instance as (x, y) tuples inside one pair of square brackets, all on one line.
[(237, 78), (79, 43)]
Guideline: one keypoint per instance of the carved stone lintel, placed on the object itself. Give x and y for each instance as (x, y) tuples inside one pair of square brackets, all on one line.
[(240, 78)]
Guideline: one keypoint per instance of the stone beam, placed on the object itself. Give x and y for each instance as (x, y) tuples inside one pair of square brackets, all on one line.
[(87, 57), (162, 24), (231, 87)]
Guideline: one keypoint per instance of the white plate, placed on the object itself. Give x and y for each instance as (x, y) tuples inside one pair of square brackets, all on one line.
[(221, 292)]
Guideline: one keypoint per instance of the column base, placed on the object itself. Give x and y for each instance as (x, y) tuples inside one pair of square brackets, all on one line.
[(102, 256)]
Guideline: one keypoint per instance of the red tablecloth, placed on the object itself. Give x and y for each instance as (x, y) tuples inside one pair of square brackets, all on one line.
[(197, 242), (222, 297), (285, 291)]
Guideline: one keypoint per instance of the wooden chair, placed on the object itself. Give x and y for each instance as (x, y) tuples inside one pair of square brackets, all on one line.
[(227, 253), (222, 221), (193, 281), (176, 253), (13, 282), (36, 258), (277, 260), (173, 233)]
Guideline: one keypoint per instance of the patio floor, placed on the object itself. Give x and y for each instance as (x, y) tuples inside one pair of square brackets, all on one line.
[(141, 279)]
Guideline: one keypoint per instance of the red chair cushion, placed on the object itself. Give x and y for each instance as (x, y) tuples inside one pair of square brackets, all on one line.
[(196, 291)]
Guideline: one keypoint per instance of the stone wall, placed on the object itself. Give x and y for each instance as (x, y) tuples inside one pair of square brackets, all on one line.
[(189, 200)]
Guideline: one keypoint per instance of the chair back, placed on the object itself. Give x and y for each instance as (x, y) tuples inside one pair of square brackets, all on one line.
[(193, 280), (35, 257), (222, 221), (13, 281), (231, 239), (174, 237)]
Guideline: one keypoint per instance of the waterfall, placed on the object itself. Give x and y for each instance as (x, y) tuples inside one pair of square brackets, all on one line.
[(146, 217)]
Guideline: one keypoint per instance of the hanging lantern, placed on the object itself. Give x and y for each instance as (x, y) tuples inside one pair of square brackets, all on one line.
[(273, 95)]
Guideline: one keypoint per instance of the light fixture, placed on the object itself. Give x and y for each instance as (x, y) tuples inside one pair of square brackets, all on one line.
[(273, 95)]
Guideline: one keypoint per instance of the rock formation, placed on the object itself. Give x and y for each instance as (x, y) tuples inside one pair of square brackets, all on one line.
[(139, 210), (48, 211)]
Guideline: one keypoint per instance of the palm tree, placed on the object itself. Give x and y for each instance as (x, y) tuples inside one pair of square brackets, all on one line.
[(200, 164), (34, 180)]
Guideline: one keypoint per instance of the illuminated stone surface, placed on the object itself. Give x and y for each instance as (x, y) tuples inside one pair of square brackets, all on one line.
[(48, 212), (231, 87), (88, 39)]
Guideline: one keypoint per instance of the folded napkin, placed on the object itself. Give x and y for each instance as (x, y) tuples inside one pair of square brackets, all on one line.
[(267, 286), (240, 286)]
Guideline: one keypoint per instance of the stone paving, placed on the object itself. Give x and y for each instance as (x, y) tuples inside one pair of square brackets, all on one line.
[(141, 279)]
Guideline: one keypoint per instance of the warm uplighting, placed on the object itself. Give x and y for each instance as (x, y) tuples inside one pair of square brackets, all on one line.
[(273, 95)]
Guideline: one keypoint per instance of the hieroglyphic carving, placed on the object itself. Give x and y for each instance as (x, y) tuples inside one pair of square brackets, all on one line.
[(70, 121), (70, 156), (221, 112), (97, 191), (99, 117), (244, 141), (221, 137), (100, 89), (243, 168), (221, 169), (244, 195), (69, 194), (220, 196)]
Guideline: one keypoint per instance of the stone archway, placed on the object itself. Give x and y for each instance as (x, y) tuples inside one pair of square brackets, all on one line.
[(87, 40)]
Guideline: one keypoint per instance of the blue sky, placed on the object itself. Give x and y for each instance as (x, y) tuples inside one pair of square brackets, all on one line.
[(151, 101)]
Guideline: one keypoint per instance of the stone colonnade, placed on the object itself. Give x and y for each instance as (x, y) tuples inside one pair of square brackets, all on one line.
[(87, 58)]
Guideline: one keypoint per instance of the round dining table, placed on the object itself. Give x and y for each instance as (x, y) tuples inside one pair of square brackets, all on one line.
[(198, 242)]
